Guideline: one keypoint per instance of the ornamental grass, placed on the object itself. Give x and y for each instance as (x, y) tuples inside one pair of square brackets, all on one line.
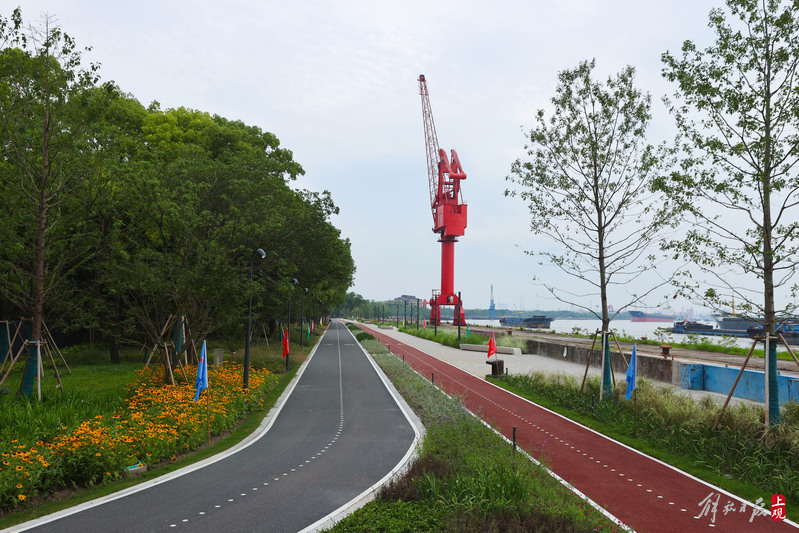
[(669, 421), (154, 423)]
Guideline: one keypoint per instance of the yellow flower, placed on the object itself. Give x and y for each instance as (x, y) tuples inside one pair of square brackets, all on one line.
[(21, 497), (19, 485)]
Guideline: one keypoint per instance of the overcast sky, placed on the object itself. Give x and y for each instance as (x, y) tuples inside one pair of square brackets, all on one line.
[(336, 82)]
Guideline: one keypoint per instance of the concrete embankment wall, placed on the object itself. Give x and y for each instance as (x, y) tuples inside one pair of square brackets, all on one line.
[(654, 368), (689, 376), (750, 386)]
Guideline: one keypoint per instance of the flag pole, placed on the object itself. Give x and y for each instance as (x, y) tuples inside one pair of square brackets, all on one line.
[(632, 387)]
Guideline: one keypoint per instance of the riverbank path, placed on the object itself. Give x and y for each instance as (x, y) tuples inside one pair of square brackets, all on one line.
[(642, 493)]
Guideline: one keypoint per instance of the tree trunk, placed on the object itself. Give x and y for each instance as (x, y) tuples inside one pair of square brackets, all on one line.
[(37, 288), (769, 324)]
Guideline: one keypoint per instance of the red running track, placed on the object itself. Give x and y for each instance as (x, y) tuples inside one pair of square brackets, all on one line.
[(643, 493)]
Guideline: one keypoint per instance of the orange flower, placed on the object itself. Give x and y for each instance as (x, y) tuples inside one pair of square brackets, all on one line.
[(21, 497)]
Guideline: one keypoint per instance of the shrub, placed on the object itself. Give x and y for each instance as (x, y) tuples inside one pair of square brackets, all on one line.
[(363, 336)]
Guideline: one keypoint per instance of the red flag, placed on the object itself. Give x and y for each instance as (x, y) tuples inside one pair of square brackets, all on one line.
[(286, 344), (492, 345)]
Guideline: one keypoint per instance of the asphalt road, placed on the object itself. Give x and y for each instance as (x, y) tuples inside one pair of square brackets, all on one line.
[(337, 433)]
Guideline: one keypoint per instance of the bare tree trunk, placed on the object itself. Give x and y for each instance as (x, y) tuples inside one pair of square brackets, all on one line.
[(37, 290), (769, 311)]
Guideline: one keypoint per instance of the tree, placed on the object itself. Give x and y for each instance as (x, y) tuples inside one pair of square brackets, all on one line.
[(737, 180), (49, 156), (197, 201), (116, 216), (588, 188)]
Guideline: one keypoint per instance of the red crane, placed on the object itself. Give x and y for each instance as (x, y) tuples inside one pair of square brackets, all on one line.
[(449, 211)]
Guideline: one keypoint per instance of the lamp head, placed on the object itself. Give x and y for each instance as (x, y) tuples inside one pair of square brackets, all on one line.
[(261, 253)]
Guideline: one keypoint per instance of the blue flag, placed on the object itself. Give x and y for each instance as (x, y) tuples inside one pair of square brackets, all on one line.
[(202, 374), (631, 374)]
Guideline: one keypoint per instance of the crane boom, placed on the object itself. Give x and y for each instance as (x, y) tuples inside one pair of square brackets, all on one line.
[(431, 143)]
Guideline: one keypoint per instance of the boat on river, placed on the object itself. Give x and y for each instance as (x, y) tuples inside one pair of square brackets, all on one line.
[(691, 326), (735, 322), (534, 321)]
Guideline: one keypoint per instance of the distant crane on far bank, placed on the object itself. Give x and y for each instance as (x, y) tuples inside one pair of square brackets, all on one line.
[(448, 209)]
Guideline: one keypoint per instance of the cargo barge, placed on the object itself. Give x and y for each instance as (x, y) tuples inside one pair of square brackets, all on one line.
[(691, 326), (698, 328), (788, 329), (734, 322)]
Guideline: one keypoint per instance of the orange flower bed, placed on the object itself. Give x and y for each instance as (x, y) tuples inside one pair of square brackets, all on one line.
[(156, 422)]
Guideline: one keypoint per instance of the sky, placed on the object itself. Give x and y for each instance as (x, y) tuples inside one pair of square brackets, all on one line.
[(336, 82)]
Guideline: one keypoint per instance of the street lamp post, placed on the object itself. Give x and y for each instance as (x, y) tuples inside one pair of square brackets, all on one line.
[(458, 315), (288, 322), (302, 317), (246, 382)]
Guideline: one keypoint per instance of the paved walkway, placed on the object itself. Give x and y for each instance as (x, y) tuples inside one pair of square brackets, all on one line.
[(641, 492), (475, 363)]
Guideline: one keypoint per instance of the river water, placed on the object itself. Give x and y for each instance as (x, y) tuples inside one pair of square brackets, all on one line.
[(625, 328)]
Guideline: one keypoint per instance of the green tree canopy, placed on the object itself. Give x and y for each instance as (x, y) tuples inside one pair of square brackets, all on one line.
[(117, 216), (588, 188), (737, 101)]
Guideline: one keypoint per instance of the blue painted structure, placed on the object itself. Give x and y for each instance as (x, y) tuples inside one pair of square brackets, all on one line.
[(720, 379)]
